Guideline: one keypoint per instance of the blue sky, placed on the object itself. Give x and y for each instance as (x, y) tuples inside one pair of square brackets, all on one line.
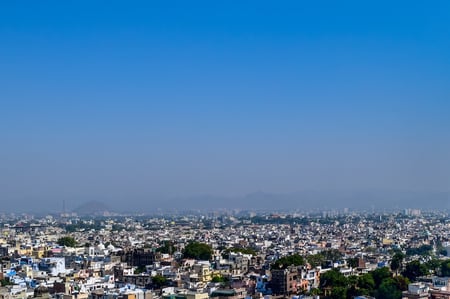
[(113, 100)]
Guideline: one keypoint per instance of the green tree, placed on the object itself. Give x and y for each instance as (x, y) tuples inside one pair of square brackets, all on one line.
[(198, 251), (219, 278), (379, 275), (167, 247), (5, 282), (422, 250), (67, 241), (388, 290), (352, 290), (353, 262), (366, 284), (445, 268), (315, 260), (158, 281), (333, 278), (320, 258), (314, 292), (338, 293), (401, 282), (290, 260), (433, 265), (414, 269), (139, 270), (397, 261)]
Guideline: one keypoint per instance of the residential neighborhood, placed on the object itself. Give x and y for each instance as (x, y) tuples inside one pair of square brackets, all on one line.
[(232, 255)]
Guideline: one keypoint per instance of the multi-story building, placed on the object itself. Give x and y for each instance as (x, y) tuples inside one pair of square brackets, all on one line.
[(284, 281)]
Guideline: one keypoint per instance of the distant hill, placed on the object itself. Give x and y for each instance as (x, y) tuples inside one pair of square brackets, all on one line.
[(304, 200), (92, 208)]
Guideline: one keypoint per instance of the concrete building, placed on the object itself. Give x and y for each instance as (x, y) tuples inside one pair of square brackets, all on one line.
[(284, 281)]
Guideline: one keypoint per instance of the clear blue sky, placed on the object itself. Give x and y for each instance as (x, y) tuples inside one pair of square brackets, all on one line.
[(119, 99)]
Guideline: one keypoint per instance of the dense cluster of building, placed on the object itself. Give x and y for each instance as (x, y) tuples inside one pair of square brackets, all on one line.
[(144, 257)]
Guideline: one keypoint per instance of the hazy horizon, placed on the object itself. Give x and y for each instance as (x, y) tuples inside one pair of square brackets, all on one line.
[(158, 103), (300, 201)]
